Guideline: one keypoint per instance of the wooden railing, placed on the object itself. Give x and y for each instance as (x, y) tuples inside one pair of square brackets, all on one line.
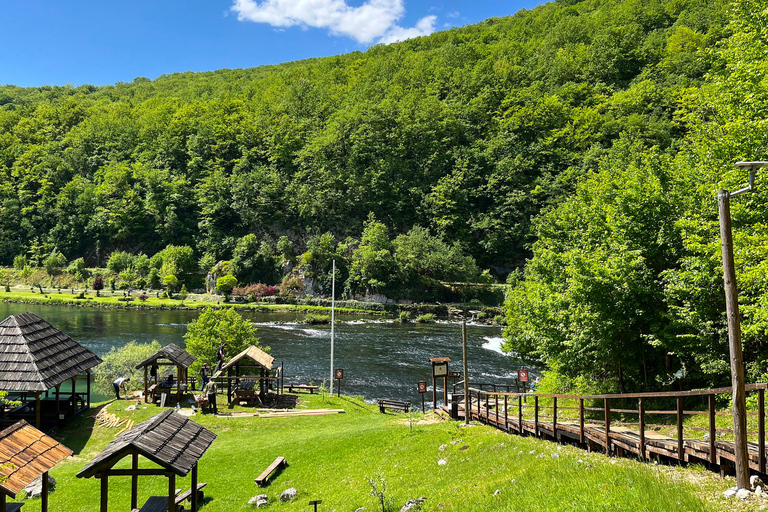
[(552, 408)]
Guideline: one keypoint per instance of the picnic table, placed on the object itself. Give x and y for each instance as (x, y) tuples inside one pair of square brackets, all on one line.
[(155, 504)]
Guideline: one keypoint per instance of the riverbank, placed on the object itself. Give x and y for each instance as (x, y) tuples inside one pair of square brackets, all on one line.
[(119, 299), (333, 458)]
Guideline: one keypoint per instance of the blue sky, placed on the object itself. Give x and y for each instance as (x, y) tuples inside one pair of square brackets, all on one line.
[(54, 42)]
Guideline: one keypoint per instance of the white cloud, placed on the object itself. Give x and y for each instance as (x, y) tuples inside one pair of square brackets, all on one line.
[(373, 21)]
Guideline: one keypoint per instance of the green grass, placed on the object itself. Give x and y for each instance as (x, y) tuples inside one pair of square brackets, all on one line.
[(332, 457)]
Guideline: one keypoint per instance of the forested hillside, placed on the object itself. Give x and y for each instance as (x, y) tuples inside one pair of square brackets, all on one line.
[(625, 288), (467, 133)]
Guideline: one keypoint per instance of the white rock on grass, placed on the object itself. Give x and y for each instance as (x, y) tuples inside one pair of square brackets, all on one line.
[(35, 488), (532, 452), (497, 492), (730, 493), (413, 504), (289, 494), (743, 494), (442, 447), (555, 455), (260, 501), (442, 462)]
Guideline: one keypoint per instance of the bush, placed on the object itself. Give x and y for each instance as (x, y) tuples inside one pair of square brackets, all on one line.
[(256, 291), (225, 285), (77, 269), (426, 318), (20, 262), (314, 319), (143, 297), (119, 261), (291, 286), (98, 284), (404, 317), (122, 363), (153, 278)]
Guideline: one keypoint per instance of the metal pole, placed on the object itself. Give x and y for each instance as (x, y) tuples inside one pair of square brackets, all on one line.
[(734, 343), (466, 375), (333, 315)]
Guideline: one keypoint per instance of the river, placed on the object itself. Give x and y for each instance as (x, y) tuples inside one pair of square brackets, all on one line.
[(380, 358)]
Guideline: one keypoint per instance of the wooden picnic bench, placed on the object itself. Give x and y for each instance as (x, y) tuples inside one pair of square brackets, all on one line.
[(263, 478), (394, 405), (154, 504), (246, 392), (305, 387), (188, 494), (14, 507)]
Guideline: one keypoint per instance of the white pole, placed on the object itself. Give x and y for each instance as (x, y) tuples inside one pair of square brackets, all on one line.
[(333, 317)]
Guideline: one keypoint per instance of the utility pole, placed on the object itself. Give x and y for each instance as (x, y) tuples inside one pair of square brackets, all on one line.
[(734, 326)]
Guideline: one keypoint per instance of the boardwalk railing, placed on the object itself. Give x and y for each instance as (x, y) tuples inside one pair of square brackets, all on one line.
[(607, 421)]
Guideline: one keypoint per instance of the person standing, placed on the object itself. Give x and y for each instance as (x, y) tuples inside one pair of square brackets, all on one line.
[(220, 357), (210, 391), (119, 383), (204, 378)]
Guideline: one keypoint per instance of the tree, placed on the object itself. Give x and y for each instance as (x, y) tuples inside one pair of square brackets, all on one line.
[(77, 268), (98, 284), (215, 327), (121, 362), (171, 282), (225, 285), (20, 262), (119, 261), (54, 264), (255, 261), (373, 264)]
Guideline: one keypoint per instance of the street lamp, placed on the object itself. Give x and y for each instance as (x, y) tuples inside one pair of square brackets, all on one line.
[(734, 325)]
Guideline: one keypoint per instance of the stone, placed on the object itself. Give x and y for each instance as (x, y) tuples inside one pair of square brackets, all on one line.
[(532, 452), (360, 509), (743, 494), (289, 494), (442, 447), (35, 488), (260, 501), (442, 462), (754, 481), (730, 493), (540, 456), (758, 490), (497, 492), (413, 504), (555, 455)]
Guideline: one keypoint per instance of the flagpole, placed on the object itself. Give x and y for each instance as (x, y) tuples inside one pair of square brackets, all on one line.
[(333, 318)]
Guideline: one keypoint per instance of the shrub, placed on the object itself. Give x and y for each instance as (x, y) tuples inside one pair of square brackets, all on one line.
[(98, 284), (404, 317), (119, 261), (143, 297), (225, 285), (153, 278), (20, 262), (77, 269), (183, 294), (426, 318), (291, 286), (122, 363)]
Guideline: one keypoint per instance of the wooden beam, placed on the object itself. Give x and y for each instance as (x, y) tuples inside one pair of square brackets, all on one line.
[(607, 407), (58, 408), (44, 493), (761, 429), (641, 413), (104, 493), (581, 420), (172, 492), (74, 387), (680, 449), (146, 389), (37, 410), (194, 488), (554, 418), (88, 386), (137, 472), (135, 478), (712, 431)]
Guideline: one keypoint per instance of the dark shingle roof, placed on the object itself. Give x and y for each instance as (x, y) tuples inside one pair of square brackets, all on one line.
[(35, 356), (168, 439), (31, 454), (173, 353)]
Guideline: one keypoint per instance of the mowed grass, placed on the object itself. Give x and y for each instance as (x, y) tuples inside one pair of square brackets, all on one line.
[(332, 458)]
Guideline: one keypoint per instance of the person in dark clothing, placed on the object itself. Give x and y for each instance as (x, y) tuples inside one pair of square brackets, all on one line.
[(220, 357), (204, 376), (119, 383), (210, 391)]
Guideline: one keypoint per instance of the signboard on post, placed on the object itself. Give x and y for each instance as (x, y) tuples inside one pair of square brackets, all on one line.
[(439, 369), (339, 374), (522, 375), (422, 390)]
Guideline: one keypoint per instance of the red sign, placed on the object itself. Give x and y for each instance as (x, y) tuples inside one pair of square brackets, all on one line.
[(339, 373), (522, 375), (422, 387)]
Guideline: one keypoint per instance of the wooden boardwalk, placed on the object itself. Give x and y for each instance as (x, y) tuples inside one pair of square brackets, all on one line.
[(505, 411)]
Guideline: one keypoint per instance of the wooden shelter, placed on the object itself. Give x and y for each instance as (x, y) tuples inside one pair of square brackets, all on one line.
[(170, 440), (169, 355), (251, 359), (35, 357), (29, 454)]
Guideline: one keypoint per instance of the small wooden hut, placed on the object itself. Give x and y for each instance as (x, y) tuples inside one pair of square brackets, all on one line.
[(251, 359), (169, 355), (35, 358), (170, 440), (29, 454)]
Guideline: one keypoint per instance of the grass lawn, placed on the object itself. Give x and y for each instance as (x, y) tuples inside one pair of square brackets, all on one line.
[(332, 458)]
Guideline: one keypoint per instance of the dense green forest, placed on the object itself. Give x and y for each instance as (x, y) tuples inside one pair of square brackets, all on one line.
[(574, 150), (625, 287)]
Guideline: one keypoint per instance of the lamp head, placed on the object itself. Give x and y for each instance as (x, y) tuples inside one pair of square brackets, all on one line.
[(753, 168)]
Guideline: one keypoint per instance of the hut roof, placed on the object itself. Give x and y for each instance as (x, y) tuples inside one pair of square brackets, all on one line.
[(31, 454), (167, 439), (172, 352), (35, 356), (253, 353)]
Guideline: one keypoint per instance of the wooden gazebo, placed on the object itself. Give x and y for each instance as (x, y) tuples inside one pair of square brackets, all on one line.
[(250, 359), (169, 355), (170, 440), (28, 454), (35, 357)]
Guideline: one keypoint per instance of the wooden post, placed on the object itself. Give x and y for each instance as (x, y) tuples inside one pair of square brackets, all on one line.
[(178, 384), (434, 391), (487, 414), (88, 386), (581, 420), (2, 502), (229, 385), (146, 389), (497, 410), (761, 429), (74, 390), (554, 418), (104, 492), (194, 488), (58, 407), (445, 391), (37, 410), (536, 415), (135, 480), (607, 406), (506, 415), (172, 492), (712, 431), (734, 343), (478, 405), (44, 493), (466, 375), (641, 413), (680, 449)]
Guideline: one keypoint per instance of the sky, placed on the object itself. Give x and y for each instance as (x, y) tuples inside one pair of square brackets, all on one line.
[(54, 42)]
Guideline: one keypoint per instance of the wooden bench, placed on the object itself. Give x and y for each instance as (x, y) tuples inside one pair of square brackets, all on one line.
[(155, 504), (14, 507), (263, 478), (394, 405), (188, 494), (311, 389)]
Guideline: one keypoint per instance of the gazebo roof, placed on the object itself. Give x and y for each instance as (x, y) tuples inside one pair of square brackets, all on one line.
[(173, 353), (255, 354), (31, 454), (168, 439), (35, 356)]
